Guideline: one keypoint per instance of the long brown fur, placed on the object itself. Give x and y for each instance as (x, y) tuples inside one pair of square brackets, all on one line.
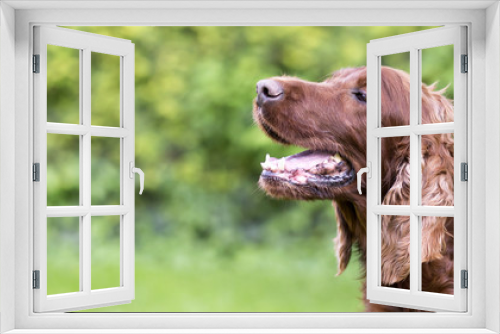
[(327, 116)]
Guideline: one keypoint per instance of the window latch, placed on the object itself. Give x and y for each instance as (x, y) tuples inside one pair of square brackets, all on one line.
[(368, 171), (139, 171)]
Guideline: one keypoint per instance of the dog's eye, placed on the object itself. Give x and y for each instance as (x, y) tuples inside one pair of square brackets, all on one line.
[(360, 95)]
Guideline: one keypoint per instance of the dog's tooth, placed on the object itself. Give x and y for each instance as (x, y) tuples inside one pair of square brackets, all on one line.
[(264, 165), (272, 166), (281, 164), (316, 170), (301, 179), (337, 158), (267, 157)]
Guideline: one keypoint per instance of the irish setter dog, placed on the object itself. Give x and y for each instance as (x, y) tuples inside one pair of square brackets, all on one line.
[(329, 120)]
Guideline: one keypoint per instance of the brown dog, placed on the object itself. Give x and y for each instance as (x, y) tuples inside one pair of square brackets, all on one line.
[(329, 120)]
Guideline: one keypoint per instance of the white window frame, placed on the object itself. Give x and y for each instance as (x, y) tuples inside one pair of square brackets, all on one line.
[(16, 215)]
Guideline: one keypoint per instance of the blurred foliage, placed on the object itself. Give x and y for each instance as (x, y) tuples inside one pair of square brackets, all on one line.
[(63, 78), (207, 239), (105, 171), (63, 255), (63, 170), (105, 89), (105, 252)]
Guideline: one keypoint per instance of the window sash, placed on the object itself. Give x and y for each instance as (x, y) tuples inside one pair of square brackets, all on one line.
[(413, 43), (85, 298)]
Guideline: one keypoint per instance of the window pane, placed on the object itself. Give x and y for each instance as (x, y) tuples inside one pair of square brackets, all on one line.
[(63, 170), (437, 254), (438, 170), (395, 252), (437, 72), (105, 252), (395, 170), (63, 85), (63, 255), (105, 171), (395, 89), (105, 89)]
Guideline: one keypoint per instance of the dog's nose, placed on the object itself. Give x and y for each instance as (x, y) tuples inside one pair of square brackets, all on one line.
[(268, 89)]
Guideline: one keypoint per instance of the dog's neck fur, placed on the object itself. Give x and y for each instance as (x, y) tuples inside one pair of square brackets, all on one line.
[(354, 210)]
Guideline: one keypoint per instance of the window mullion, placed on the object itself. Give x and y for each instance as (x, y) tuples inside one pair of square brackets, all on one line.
[(415, 85), (85, 168)]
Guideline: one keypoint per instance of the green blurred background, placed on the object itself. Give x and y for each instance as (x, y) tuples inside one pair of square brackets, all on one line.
[(207, 239)]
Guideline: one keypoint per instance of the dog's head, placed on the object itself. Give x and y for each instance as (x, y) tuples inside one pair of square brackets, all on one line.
[(329, 120)]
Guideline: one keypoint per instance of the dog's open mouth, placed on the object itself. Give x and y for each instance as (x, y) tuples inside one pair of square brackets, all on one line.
[(309, 175), (309, 168)]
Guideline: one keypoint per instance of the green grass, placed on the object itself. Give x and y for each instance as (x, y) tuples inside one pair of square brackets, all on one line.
[(171, 277)]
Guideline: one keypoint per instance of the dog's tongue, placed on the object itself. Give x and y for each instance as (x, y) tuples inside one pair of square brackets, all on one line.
[(308, 159), (304, 160)]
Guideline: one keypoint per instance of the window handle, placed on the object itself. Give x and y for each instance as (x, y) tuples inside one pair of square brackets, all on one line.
[(368, 171), (139, 171)]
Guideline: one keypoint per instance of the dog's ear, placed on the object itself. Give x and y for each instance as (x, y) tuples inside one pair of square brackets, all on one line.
[(395, 230), (395, 255), (437, 190), (437, 179), (344, 239)]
